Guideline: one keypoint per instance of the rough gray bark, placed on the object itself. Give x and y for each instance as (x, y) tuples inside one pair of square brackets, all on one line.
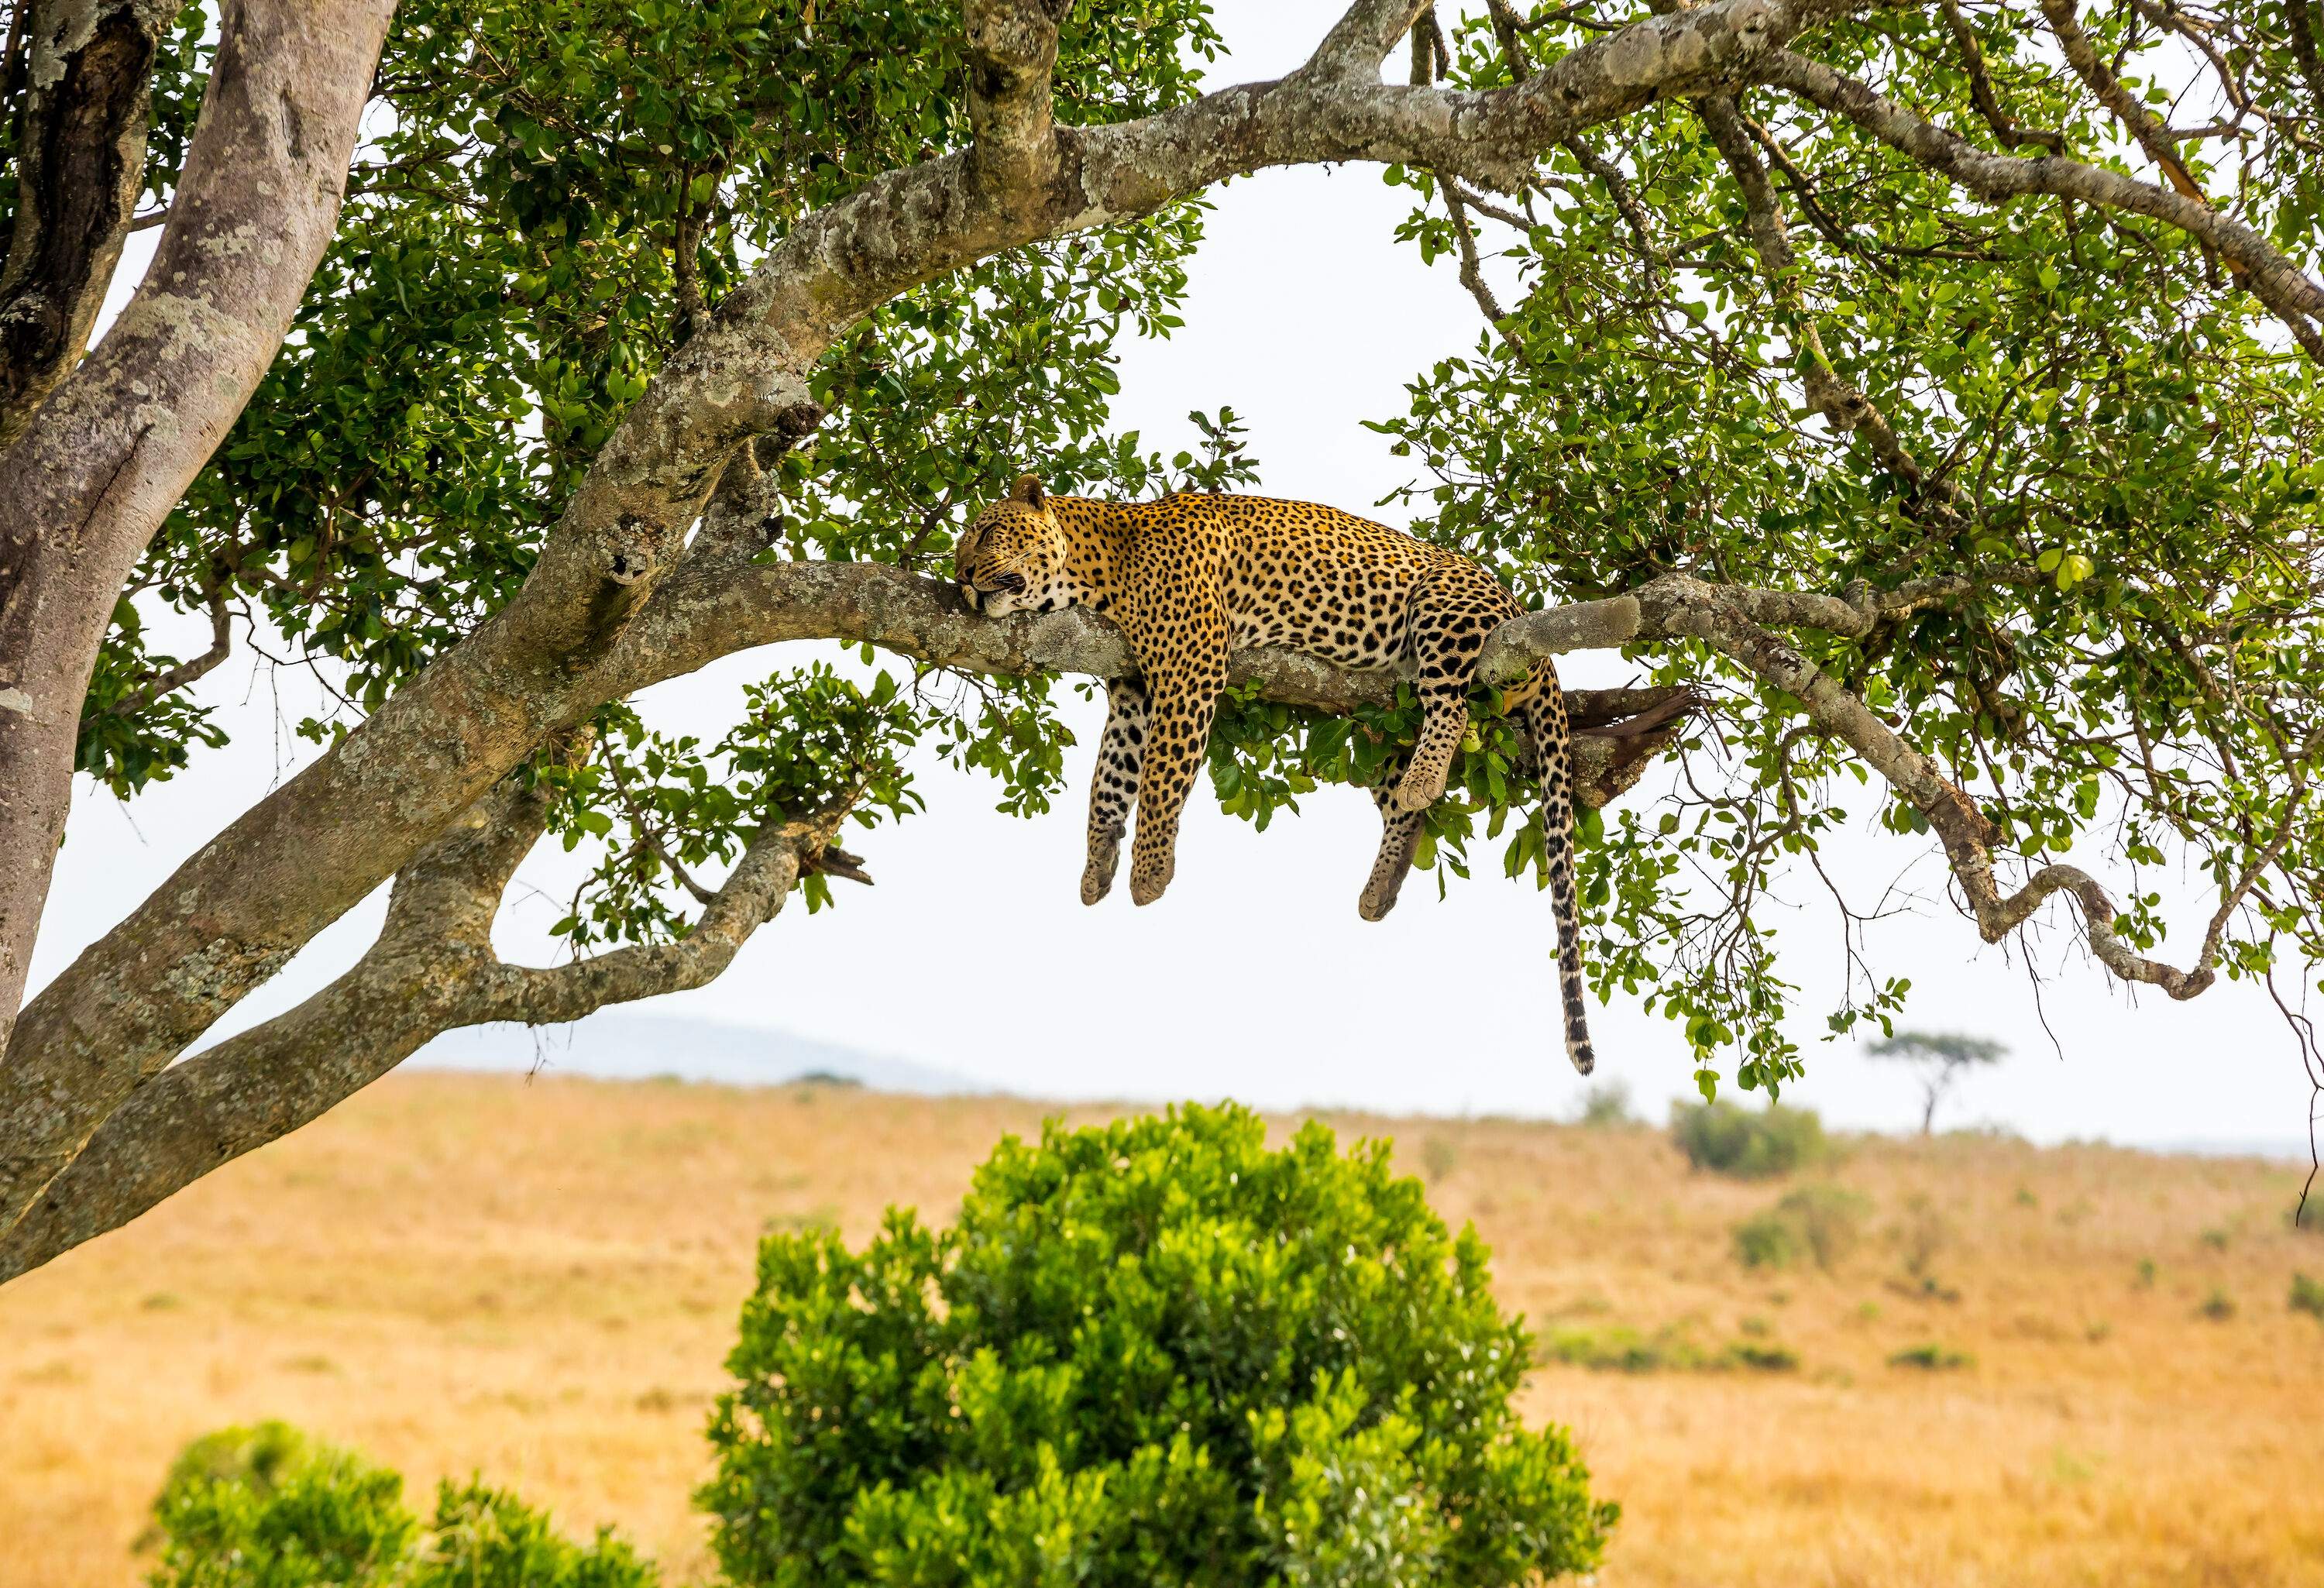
[(80, 163), (116, 444), (432, 970)]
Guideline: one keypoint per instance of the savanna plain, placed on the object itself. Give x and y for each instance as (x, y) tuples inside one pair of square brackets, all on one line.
[(2015, 1365)]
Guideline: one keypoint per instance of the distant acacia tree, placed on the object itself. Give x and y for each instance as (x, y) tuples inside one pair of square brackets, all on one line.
[(1943, 1057), (1927, 394)]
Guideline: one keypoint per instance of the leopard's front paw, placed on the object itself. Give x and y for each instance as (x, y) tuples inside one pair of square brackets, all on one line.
[(1420, 789), (1379, 899), (1105, 860), (1097, 878)]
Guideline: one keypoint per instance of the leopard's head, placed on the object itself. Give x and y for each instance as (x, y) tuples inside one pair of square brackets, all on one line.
[(1013, 557)]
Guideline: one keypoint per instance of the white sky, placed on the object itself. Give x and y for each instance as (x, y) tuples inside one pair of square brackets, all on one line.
[(1254, 977)]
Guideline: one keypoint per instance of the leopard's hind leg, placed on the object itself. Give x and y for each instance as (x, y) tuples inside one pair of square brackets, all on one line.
[(1452, 615)]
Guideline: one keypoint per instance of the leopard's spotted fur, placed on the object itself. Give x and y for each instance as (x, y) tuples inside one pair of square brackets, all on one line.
[(1189, 578)]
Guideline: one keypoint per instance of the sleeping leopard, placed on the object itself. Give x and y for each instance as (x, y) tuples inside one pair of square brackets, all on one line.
[(1191, 577)]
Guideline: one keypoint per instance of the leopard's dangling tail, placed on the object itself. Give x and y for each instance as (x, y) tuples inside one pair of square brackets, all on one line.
[(1552, 741)]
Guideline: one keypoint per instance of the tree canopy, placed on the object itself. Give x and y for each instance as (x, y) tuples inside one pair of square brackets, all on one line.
[(1941, 381)]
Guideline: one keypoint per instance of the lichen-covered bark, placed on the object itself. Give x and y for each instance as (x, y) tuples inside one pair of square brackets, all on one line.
[(110, 452), (80, 163), (432, 970)]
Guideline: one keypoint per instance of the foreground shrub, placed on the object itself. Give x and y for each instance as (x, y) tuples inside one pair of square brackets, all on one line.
[(1750, 1144), (266, 1507), (1154, 1351)]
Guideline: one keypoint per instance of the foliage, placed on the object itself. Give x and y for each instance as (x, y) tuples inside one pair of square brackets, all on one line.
[(2308, 1296), (1750, 1144), (2217, 1306), (807, 739), (560, 192), (264, 1506), (1821, 1223), (2124, 458), (1150, 1352)]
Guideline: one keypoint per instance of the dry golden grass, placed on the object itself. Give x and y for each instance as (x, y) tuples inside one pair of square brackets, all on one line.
[(537, 1281)]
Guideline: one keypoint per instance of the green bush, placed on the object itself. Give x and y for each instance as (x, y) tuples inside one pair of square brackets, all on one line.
[(1750, 1144), (1154, 1351), (2308, 1296), (266, 1507), (1821, 1223)]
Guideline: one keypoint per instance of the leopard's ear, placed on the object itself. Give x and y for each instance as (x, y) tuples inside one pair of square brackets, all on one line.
[(1029, 491)]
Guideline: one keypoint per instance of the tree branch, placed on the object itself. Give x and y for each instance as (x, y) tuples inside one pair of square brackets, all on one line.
[(1981, 92), (2273, 278), (110, 453), (432, 970), (1676, 604), (80, 159)]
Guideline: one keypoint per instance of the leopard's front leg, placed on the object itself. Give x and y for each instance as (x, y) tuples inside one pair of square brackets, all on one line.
[(1113, 786), (1184, 700)]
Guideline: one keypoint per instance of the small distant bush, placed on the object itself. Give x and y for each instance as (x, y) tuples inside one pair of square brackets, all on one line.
[(1618, 1348), (1748, 1143), (1438, 1157), (2219, 1306), (2308, 1296), (264, 1506), (1822, 1224), (2147, 1272), (1933, 1358), (2306, 1216), (1922, 1237), (2217, 1240), (1766, 1240), (1607, 1107), (1153, 1352)]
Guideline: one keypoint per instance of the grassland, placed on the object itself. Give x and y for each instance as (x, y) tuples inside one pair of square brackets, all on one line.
[(537, 1281)]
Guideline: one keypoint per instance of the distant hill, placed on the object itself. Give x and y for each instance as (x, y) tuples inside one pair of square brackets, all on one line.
[(638, 1046)]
